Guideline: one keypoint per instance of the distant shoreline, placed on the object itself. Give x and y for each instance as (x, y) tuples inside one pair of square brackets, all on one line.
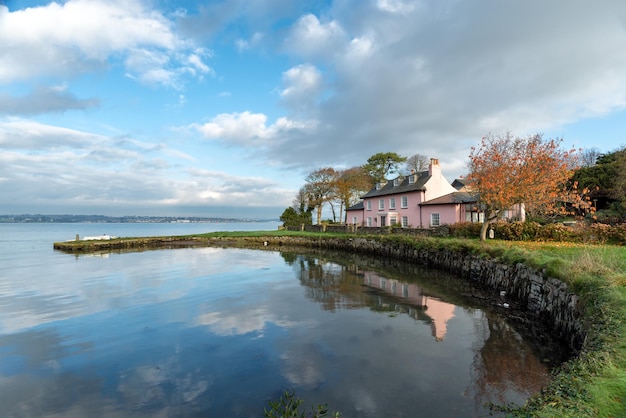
[(37, 218)]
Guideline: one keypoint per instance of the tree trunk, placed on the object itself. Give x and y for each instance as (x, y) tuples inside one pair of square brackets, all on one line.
[(485, 227)]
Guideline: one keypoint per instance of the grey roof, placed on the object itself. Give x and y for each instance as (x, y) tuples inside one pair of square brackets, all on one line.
[(357, 206), (459, 184), (403, 187), (454, 197)]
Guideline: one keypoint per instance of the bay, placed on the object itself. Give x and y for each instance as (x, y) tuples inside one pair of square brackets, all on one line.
[(220, 332)]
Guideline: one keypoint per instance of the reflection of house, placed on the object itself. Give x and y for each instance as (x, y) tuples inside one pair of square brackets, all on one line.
[(419, 200), (439, 312)]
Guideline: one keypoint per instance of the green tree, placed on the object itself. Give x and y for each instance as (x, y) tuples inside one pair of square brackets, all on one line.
[(300, 212), (605, 180), (380, 165), (291, 217)]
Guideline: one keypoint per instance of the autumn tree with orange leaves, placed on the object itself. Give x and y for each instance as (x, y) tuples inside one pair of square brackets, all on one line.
[(531, 172)]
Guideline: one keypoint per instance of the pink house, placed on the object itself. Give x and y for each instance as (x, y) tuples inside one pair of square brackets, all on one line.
[(418, 200)]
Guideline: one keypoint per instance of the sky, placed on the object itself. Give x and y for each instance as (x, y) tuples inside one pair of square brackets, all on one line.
[(222, 108)]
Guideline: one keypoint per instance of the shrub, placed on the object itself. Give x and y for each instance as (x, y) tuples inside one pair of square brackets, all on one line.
[(465, 230), (555, 232), (598, 233)]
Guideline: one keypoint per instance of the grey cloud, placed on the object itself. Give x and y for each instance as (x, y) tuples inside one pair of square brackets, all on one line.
[(43, 100), (436, 79), (94, 174)]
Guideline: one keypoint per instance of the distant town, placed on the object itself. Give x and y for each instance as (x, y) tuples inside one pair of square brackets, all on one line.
[(118, 219)]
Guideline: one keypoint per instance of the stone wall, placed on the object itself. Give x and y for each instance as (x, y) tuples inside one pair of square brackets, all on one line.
[(547, 299)]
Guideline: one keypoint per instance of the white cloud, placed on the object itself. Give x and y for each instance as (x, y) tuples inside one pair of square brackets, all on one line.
[(311, 38), (63, 40), (302, 87), (255, 40), (396, 6), (250, 129)]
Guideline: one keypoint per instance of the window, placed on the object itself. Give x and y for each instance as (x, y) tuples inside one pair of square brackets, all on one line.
[(369, 205), (412, 179), (405, 222), (393, 220), (381, 204), (354, 220), (434, 219), (392, 203), (396, 182), (369, 221), (404, 202)]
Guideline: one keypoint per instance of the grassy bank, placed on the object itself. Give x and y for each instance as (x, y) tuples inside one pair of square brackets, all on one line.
[(591, 385)]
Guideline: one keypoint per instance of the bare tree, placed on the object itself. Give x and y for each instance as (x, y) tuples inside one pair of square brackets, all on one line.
[(320, 188), (417, 162), (589, 156), (350, 185)]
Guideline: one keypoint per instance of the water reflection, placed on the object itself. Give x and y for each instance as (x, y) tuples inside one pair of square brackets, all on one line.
[(506, 368), (216, 332)]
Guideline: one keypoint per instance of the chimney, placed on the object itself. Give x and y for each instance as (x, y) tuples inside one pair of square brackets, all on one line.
[(433, 167)]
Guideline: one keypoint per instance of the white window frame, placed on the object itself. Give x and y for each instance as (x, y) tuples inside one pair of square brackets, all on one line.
[(354, 220), (392, 203), (404, 202), (412, 179), (381, 204), (369, 205), (369, 221), (393, 220), (435, 219), (405, 222)]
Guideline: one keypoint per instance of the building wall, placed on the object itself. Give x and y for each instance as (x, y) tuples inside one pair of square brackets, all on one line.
[(448, 214), (436, 186), (358, 214), (411, 212)]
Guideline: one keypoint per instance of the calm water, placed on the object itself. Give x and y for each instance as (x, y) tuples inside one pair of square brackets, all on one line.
[(214, 332)]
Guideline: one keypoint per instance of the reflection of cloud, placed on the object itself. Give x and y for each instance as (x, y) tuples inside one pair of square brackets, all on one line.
[(114, 282), (242, 321), (154, 386), (304, 365)]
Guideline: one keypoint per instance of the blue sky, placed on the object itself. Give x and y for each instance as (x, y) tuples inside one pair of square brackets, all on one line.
[(221, 108)]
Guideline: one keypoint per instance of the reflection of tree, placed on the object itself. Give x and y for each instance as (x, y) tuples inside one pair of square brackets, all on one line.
[(504, 365), (331, 284), (336, 286)]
